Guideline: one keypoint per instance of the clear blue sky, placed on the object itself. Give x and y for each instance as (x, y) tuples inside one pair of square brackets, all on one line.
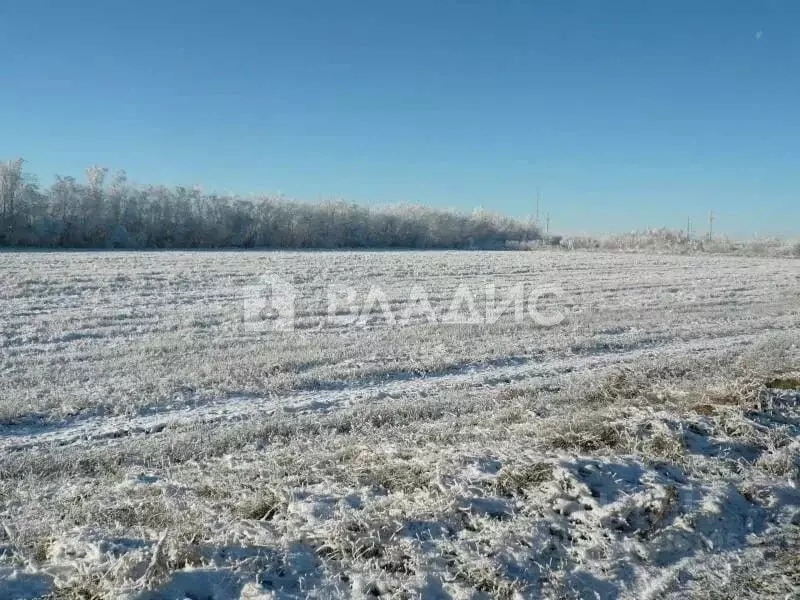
[(625, 114)]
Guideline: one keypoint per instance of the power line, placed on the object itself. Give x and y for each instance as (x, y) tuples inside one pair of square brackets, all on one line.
[(710, 225)]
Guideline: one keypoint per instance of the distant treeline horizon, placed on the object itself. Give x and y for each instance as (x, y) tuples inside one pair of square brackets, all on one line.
[(108, 211)]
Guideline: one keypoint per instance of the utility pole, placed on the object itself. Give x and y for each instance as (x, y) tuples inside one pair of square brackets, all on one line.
[(538, 199), (689, 227), (547, 226), (710, 225)]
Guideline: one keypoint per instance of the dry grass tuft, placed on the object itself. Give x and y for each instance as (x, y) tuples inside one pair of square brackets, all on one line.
[(265, 505), (522, 479)]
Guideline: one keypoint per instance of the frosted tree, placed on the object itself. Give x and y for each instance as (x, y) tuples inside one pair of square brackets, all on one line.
[(11, 183), (121, 214)]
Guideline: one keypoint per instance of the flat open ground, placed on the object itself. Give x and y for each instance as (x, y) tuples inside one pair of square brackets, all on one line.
[(152, 445)]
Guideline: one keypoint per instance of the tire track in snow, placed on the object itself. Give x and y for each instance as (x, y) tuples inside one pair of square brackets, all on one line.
[(96, 430)]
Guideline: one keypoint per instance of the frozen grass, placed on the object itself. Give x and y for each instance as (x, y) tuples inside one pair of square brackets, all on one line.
[(152, 448)]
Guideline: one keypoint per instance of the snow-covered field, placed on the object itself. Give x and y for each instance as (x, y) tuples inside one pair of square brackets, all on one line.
[(155, 445)]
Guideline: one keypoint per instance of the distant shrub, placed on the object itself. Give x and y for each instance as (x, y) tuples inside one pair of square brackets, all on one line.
[(678, 242)]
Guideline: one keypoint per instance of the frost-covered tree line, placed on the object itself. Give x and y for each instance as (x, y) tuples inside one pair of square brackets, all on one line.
[(108, 211)]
